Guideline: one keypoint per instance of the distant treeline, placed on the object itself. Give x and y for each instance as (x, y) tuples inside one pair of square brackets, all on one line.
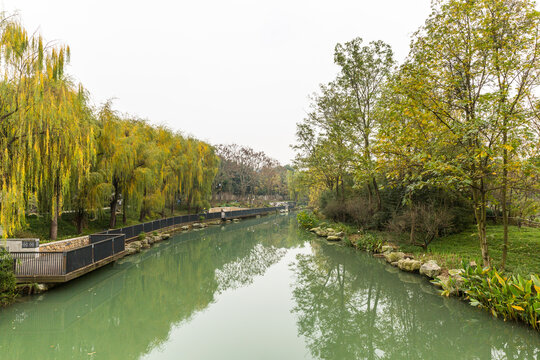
[(246, 173)]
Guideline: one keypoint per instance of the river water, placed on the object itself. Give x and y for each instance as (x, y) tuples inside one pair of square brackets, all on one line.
[(259, 289)]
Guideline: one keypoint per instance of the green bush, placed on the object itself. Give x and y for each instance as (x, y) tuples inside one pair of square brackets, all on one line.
[(7, 279), (369, 242), (513, 298), (307, 220), (141, 236)]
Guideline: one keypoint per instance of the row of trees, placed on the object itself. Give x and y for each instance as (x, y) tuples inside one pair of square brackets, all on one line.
[(245, 173), (459, 116), (58, 153)]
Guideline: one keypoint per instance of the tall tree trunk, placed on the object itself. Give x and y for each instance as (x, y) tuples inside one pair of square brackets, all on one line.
[(114, 205), (142, 214), (80, 220), (342, 190), (124, 210), (479, 197), (413, 225), (370, 196), (504, 197), (377, 194), (56, 209)]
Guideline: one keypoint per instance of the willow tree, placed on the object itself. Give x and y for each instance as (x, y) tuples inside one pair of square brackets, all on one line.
[(21, 56), (66, 149), (201, 168)]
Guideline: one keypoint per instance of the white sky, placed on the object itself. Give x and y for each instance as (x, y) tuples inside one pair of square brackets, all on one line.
[(221, 70)]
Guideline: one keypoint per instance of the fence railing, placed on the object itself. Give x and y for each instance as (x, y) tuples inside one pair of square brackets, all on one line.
[(147, 227), (38, 263), (62, 263), (108, 243)]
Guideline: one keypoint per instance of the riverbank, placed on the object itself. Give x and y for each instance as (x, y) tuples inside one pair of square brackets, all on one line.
[(79, 253), (510, 296)]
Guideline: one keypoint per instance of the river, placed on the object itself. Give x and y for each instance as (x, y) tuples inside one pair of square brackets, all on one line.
[(258, 289)]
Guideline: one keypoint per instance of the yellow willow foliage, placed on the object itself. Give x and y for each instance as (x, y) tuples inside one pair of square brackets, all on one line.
[(57, 153), (22, 60)]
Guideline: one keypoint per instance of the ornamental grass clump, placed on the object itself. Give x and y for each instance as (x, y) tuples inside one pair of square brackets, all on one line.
[(307, 220), (369, 242), (512, 298)]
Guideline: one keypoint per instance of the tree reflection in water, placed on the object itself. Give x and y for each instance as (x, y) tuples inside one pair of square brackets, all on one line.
[(350, 307), (126, 310)]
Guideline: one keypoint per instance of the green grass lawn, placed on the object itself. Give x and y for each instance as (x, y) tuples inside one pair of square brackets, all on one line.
[(38, 226), (523, 252)]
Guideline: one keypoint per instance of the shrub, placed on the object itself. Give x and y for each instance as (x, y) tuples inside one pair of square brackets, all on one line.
[(307, 220), (369, 242), (7, 279), (513, 298), (354, 211), (141, 236), (423, 222)]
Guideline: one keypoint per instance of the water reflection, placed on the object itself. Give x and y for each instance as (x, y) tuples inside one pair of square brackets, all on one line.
[(350, 307), (126, 310), (341, 304)]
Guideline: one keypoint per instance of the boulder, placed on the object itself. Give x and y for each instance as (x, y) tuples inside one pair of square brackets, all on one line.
[(430, 269), (165, 236), (333, 238), (135, 245), (197, 225), (330, 230), (455, 272), (41, 288), (145, 244), (235, 220), (150, 240), (341, 234), (394, 256), (457, 279), (386, 248), (410, 265), (321, 233), (131, 250), (315, 229), (185, 227)]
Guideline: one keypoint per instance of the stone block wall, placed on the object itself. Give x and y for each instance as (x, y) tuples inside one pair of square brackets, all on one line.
[(64, 245)]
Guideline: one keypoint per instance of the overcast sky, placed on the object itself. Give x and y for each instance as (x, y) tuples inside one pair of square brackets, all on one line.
[(223, 71)]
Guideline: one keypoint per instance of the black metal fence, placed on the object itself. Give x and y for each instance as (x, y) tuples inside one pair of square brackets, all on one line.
[(101, 247), (38, 263), (147, 227), (108, 243)]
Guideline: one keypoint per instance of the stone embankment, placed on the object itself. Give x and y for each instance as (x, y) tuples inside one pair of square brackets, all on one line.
[(64, 245), (448, 279), (147, 240), (329, 233)]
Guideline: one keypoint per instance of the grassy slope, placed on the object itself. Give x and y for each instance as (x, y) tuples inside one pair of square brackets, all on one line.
[(523, 253)]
